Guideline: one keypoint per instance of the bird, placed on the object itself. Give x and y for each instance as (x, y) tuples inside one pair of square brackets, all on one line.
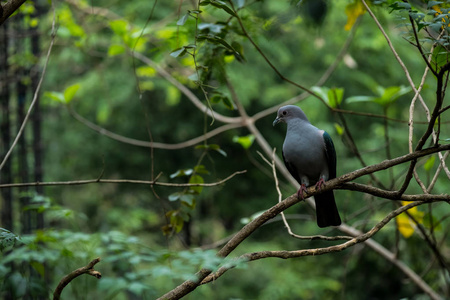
[(310, 158)]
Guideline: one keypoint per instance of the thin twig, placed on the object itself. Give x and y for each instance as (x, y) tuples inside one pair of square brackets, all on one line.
[(131, 181), (156, 145)]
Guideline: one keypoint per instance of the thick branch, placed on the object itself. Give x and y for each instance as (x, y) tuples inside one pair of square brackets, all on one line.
[(9, 8), (88, 269), (337, 248), (248, 229)]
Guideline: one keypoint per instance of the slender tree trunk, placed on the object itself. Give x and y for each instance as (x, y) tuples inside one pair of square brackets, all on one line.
[(5, 133), (5, 130)]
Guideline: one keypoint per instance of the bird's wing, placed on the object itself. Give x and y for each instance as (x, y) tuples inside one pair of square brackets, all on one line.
[(330, 154), (291, 168)]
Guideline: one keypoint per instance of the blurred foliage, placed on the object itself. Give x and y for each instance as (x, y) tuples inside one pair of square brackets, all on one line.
[(149, 239)]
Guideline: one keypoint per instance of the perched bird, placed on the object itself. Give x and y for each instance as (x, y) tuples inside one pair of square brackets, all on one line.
[(309, 155)]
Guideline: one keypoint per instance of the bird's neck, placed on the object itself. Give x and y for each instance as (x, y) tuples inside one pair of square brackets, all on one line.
[(297, 124)]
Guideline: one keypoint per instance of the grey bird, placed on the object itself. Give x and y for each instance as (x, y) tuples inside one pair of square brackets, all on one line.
[(310, 157)]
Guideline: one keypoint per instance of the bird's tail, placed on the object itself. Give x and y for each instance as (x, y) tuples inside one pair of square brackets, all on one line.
[(326, 210)]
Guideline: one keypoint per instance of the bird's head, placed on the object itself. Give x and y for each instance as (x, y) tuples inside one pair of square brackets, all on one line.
[(289, 112)]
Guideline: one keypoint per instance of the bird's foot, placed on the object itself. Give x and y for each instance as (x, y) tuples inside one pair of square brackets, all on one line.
[(320, 184), (300, 191)]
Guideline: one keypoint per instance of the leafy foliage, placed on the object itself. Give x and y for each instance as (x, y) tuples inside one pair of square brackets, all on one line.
[(149, 239)]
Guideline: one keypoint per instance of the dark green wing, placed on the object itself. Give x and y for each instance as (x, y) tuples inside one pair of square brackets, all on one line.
[(331, 154)]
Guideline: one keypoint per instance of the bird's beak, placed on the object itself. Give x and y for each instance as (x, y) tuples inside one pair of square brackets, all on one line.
[(276, 121)]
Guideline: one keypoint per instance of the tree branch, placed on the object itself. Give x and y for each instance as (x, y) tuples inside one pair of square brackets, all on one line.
[(9, 8), (144, 182), (337, 248), (188, 286), (156, 145), (88, 269)]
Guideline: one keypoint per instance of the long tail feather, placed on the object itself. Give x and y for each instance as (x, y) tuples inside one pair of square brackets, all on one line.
[(326, 210)]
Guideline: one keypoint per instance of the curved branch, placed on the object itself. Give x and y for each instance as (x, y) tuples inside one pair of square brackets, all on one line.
[(156, 145), (190, 95), (188, 286), (337, 248), (88, 269)]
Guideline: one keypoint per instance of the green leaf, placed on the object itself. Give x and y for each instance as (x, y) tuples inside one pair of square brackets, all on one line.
[(180, 173), (119, 27), (223, 6), (70, 92), (429, 163), (356, 99), (215, 99), (339, 129), (177, 222), (55, 96), (228, 103), (188, 199), (183, 20), (39, 267), (245, 141), (214, 147), (430, 4), (115, 50), (335, 96), (439, 56), (322, 92), (239, 3), (175, 196), (430, 221), (196, 179), (178, 52), (200, 169)]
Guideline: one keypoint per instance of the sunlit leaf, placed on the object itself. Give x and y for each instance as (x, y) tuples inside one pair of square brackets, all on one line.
[(245, 141), (114, 50), (70, 92), (180, 173), (119, 27), (335, 96), (339, 129), (353, 11), (429, 163), (55, 96), (406, 225)]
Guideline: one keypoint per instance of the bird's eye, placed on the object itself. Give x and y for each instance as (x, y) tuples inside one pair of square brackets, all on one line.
[(284, 113)]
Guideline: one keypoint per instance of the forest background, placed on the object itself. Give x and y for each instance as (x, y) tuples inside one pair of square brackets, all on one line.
[(140, 133)]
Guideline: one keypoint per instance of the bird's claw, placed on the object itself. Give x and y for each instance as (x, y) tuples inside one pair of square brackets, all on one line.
[(300, 191), (320, 184)]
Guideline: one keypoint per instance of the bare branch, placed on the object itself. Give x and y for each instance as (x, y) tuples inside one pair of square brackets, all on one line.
[(188, 286), (337, 248), (156, 145), (88, 269), (190, 95), (144, 182)]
